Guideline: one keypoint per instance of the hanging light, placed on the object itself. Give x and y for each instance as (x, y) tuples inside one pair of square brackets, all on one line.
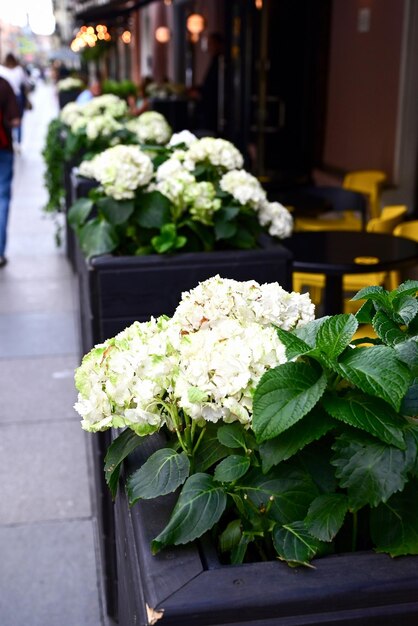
[(126, 36), (259, 4), (168, 3), (163, 34), (195, 24)]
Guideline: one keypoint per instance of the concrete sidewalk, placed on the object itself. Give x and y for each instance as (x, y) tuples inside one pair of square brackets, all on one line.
[(48, 570)]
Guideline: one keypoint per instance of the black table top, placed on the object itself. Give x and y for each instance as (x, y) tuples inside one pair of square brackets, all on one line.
[(334, 252)]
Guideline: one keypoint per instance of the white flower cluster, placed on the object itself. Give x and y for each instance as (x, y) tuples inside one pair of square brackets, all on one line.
[(184, 137), (202, 201), (67, 84), (108, 103), (217, 152), (120, 170), (98, 117), (244, 187), (205, 361), (101, 126), (277, 217), (151, 127)]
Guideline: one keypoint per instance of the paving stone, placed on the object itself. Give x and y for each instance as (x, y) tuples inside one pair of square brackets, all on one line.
[(48, 575), (52, 266), (39, 389), (34, 295), (43, 472), (37, 334)]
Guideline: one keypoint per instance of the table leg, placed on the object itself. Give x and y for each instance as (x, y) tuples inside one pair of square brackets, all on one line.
[(333, 296)]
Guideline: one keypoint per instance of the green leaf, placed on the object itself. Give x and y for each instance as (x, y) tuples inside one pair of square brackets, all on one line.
[(286, 492), (335, 334), (316, 460), (366, 313), (407, 352), (232, 468), (226, 213), (97, 237), (210, 450), (376, 294), (239, 551), (168, 239), (386, 329), (231, 536), (153, 210), (117, 452), (224, 230), (309, 331), (312, 427), (243, 239), (79, 211), (115, 211), (284, 395), (370, 471), (410, 401), (409, 286), (370, 414), (394, 525), (232, 436), (200, 505), (294, 544), (406, 307), (376, 371), (162, 473), (326, 515), (294, 346)]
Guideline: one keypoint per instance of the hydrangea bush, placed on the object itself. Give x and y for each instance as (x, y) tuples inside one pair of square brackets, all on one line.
[(285, 435), (198, 197)]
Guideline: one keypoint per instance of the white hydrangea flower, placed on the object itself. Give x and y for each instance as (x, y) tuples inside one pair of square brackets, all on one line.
[(244, 187), (224, 361), (184, 137), (200, 197), (169, 168), (151, 127), (70, 113), (174, 186), (67, 84), (218, 298), (101, 126), (121, 170), (87, 169), (218, 152), (107, 103), (205, 361), (123, 381), (277, 217)]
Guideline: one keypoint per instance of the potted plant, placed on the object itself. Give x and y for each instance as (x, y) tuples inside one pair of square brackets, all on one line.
[(68, 90), (80, 132), (279, 440), (165, 215)]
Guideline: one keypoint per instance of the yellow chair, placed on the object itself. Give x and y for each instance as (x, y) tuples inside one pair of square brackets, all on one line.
[(345, 220), (368, 182), (391, 217), (410, 231)]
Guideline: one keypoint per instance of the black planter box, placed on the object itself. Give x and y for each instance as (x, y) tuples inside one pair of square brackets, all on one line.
[(187, 586), (116, 291), (75, 187), (69, 95)]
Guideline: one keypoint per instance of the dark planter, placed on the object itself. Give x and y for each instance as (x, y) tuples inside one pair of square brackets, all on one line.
[(116, 291), (75, 187), (64, 97), (189, 585)]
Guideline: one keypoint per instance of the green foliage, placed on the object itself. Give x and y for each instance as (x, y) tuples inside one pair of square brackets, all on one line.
[(334, 432), (122, 89), (53, 154)]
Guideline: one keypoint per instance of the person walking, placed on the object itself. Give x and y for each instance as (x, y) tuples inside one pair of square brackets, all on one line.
[(9, 118), (19, 81)]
